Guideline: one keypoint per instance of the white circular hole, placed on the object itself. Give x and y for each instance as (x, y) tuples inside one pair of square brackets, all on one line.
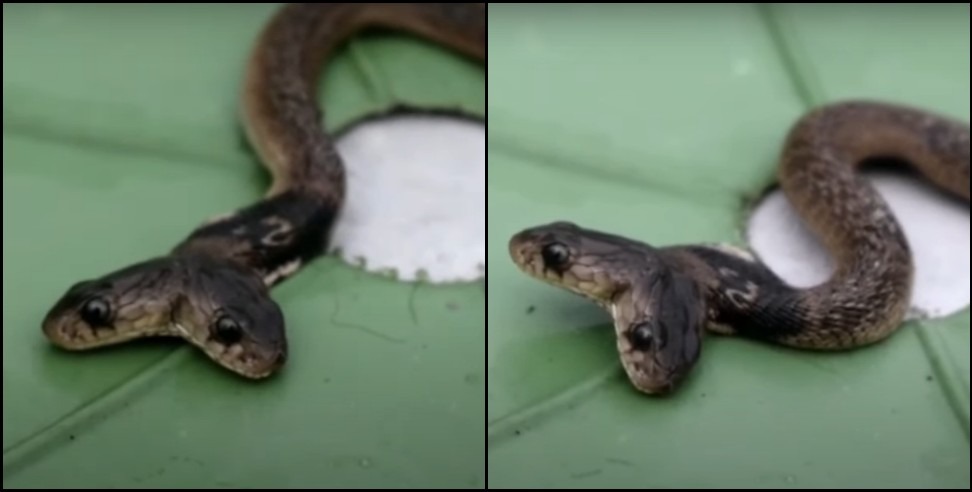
[(937, 227), (416, 199)]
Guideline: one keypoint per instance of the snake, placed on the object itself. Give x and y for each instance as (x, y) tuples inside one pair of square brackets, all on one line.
[(213, 287), (664, 300)]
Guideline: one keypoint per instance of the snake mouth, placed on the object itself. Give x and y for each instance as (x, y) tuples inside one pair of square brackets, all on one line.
[(246, 366), (654, 381), (79, 337), (250, 364), (523, 253), (649, 373), (515, 249), (248, 361)]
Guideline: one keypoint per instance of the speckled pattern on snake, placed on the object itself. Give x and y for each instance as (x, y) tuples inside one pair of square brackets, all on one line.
[(663, 300), (212, 289)]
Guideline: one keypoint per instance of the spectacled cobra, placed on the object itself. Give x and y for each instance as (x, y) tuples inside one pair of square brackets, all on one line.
[(664, 299), (212, 288)]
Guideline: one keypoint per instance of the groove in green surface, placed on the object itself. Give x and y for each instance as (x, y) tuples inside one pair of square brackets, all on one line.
[(504, 427), (795, 61), (69, 427), (947, 375), (377, 86), (39, 117)]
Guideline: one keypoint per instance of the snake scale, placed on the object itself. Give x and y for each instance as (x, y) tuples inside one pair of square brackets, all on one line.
[(664, 300), (213, 287)]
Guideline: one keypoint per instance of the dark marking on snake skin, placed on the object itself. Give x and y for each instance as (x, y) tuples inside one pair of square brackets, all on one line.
[(678, 320), (772, 314), (309, 217)]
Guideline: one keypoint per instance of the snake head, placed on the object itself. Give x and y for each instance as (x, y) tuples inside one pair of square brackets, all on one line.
[(658, 311), (132, 302), (228, 313), (220, 308), (659, 324), (588, 263)]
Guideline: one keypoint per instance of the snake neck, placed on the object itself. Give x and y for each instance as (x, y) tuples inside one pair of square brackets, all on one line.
[(745, 298), (284, 123), (281, 114), (274, 237)]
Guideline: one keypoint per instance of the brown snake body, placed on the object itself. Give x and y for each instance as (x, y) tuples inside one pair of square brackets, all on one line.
[(212, 289), (663, 299)]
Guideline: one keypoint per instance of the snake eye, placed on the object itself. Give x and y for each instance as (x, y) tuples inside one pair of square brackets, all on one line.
[(96, 312), (227, 331), (555, 255), (643, 337)]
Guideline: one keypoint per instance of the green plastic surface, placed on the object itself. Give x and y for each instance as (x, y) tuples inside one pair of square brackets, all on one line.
[(120, 135), (661, 122), (655, 121)]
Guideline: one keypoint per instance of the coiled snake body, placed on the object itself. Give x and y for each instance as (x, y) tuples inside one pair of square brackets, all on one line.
[(664, 299), (212, 289)]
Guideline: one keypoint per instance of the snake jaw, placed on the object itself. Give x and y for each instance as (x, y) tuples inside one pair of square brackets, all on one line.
[(78, 337), (249, 362), (69, 331)]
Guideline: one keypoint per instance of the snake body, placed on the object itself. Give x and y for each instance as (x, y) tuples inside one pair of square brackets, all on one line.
[(212, 288), (663, 300)]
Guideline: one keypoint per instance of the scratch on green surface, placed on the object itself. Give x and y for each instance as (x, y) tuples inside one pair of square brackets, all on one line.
[(346, 325), (947, 373), (64, 429), (509, 425)]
